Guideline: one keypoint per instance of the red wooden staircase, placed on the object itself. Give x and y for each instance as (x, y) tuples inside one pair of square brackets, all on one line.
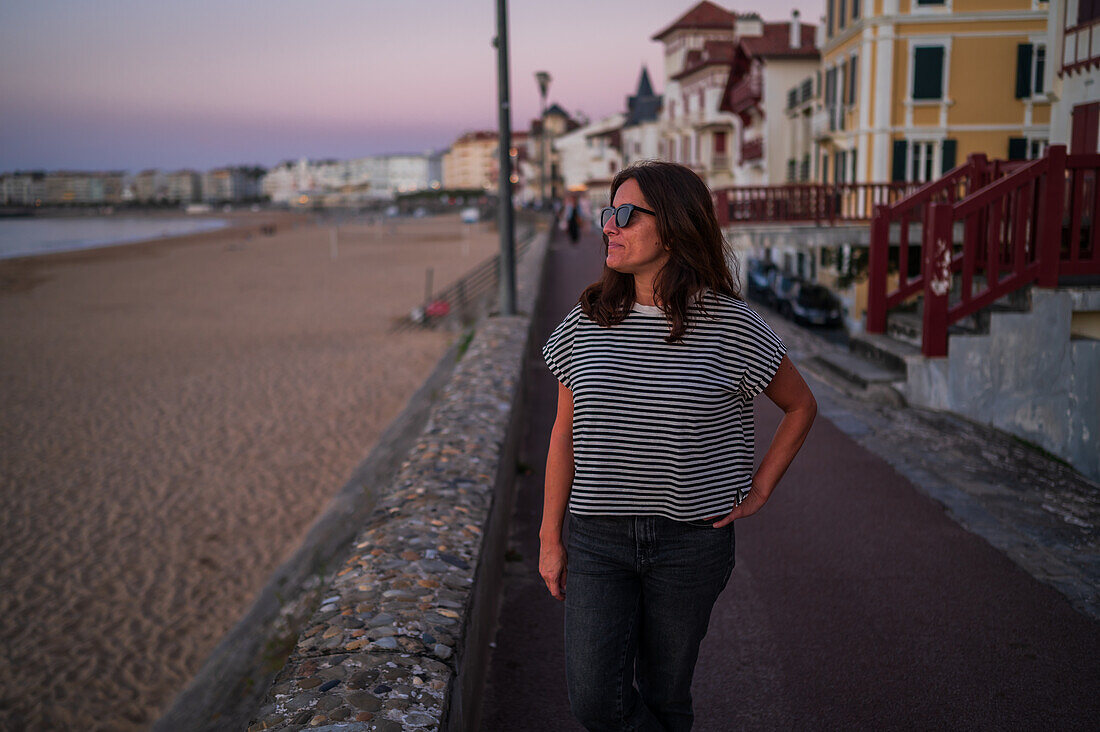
[(985, 230)]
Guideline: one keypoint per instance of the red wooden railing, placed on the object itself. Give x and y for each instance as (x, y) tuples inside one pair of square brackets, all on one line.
[(955, 185), (820, 204), (1034, 225)]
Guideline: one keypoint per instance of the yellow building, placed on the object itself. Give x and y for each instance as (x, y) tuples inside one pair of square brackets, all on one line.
[(911, 87), (472, 162)]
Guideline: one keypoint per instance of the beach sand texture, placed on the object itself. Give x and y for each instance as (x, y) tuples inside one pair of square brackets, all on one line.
[(175, 414)]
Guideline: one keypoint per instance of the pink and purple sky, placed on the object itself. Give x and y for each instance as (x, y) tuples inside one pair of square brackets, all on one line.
[(131, 84)]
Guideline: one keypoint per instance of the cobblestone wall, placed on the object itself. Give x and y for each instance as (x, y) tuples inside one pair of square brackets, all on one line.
[(399, 638)]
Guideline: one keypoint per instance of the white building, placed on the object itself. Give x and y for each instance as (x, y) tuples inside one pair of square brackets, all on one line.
[(1073, 36), (348, 182), (727, 81), (22, 189), (589, 157)]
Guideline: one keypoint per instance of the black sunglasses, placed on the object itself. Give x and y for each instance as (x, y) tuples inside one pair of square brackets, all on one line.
[(622, 214)]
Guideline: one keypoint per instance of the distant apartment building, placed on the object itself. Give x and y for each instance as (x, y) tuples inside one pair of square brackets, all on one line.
[(1073, 37), (81, 188), (471, 162), (727, 80), (349, 182), (407, 173), (227, 185), (182, 186), (22, 189), (911, 87), (150, 186)]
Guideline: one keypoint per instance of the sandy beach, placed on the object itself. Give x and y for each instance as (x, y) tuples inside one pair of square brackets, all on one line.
[(175, 415)]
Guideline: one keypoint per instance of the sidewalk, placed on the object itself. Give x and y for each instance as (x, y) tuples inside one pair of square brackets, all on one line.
[(857, 601)]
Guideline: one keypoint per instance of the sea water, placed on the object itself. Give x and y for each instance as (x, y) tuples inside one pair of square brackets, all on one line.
[(26, 237)]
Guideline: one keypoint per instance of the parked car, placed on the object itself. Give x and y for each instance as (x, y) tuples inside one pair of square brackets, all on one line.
[(814, 305), (782, 290), (759, 278)]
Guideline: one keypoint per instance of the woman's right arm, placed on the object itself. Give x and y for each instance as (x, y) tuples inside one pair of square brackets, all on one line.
[(559, 481)]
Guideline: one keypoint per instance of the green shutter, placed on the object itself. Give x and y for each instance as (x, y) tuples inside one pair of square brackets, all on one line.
[(949, 151), (1023, 70), (901, 149), (1017, 148), (853, 69), (928, 72)]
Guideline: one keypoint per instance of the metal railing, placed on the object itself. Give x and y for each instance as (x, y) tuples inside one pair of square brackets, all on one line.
[(469, 297)]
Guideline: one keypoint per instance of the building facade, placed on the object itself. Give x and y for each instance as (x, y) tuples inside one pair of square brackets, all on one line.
[(727, 79), (471, 162), (23, 189), (911, 87), (589, 157), (1074, 39)]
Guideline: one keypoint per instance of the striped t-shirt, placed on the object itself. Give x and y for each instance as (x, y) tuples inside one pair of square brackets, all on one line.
[(662, 428)]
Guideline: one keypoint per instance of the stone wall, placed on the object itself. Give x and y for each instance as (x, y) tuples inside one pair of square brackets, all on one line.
[(401, 636)]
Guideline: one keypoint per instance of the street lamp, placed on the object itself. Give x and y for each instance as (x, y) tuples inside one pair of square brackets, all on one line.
[(543, 79)]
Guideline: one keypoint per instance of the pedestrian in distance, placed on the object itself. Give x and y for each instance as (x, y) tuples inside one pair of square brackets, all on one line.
[(573, 220), (651, 453)]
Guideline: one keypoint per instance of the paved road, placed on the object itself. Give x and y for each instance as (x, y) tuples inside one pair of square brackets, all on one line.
[(856, 601)]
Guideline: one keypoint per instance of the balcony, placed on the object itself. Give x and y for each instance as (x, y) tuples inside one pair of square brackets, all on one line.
[(752, 150), (720, 162), (746, 94), (1081, 50)]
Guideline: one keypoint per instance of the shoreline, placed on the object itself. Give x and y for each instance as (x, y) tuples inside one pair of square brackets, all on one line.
[(23, 272)]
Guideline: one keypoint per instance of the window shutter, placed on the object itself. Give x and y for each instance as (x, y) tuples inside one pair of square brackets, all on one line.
[(1023, 70), (949, 151), (1040, 69), (901, 149), (852, 69), (928, 72), (1017, 148)]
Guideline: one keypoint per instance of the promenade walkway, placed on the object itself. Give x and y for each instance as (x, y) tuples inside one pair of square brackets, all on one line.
[(856, 603)]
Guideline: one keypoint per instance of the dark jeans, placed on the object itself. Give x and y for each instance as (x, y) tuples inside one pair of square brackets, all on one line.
[(638, 597)]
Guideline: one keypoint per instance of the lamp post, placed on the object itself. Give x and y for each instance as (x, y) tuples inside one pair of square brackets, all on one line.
[(543, 79), (507, 270)]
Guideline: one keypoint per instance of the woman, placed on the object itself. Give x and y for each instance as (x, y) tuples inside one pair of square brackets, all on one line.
[(652, 449)]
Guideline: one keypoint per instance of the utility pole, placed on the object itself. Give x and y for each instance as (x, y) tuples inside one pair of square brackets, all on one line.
[(504, 178)]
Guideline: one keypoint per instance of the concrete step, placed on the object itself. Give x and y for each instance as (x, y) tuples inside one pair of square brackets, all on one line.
[(905, 327), (858, 371), (889, 353)]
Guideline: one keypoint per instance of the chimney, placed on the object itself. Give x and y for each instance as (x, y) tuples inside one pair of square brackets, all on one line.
[(796, 30)]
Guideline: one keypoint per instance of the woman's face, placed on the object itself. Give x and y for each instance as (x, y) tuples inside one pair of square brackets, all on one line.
[(634, 249)]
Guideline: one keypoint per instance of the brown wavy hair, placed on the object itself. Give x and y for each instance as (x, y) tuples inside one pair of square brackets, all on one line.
[(687, 225)]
